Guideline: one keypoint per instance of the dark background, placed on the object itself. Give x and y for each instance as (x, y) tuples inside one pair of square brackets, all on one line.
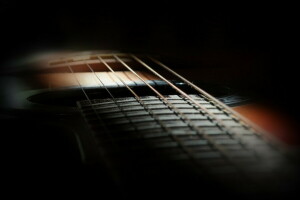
[(255, 38)]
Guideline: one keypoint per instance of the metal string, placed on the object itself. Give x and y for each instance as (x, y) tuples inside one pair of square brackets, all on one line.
[(204, 93), (256, 130), (210, 114), (89, 100), (168, 130), (199, 130), (113, 98), (111, 139), (219, 122), (170, 105)]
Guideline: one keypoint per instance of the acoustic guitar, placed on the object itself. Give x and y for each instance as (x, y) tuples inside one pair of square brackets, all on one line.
[(131, 126)]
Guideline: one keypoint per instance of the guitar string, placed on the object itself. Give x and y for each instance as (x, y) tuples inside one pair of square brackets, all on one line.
[(108, 164), (89, 98), (172, 107), (111, 95), (209, 113), (233, 133), (90, 102), (187, 150), (221, 150), (198, 129), (142, 103), (176, 88), (256, 130), (236, 115), (238, 137)]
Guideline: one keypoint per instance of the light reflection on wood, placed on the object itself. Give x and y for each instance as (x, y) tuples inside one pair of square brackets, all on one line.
[(89, 79), (282, 126)]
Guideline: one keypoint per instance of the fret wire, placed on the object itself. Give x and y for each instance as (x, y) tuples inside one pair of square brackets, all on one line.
[(184, 147), (136, 96), (170, 105), (256, 130), (168, 130), (214, 101), (201, 91), (111, 95), (208, 96), (227, 128), (220, 122), (199, 131), (236, 137)]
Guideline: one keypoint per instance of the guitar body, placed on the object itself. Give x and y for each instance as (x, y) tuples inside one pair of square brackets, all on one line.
[(56, 135)]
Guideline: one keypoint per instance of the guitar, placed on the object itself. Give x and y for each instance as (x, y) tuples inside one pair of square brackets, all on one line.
[(130, 126)]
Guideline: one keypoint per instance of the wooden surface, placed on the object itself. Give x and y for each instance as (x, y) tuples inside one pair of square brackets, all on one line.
[(89, 79), (281, 125)]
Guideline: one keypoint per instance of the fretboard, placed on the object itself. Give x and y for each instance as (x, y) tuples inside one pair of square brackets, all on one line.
[(146, 136)]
